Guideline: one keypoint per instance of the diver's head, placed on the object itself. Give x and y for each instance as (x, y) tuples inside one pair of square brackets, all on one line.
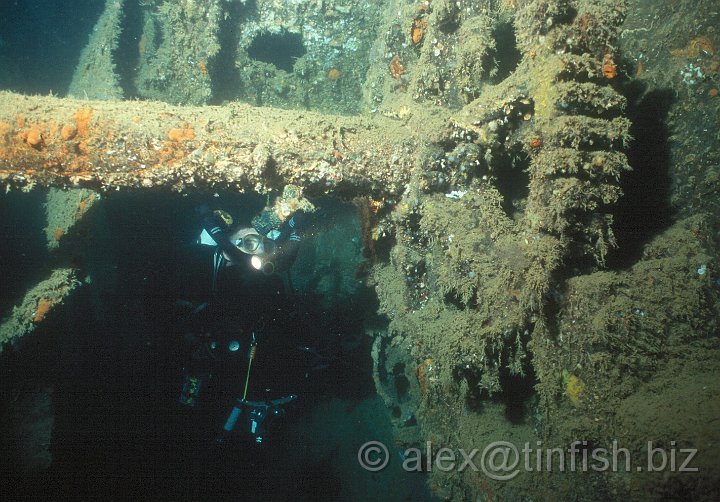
[(247, 240)]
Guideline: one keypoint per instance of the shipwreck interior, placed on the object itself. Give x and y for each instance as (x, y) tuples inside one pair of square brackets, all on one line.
[(508, 222), (111, 361)]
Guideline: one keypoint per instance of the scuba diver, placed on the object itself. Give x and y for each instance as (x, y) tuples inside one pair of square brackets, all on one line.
[(214, 376), (269, 245), (269, 253), (273, 252)]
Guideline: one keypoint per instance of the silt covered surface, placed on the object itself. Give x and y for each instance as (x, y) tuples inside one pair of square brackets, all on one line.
[(535, 212)]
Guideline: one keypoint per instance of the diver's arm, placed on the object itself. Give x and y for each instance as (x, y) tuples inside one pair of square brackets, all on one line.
[(218, 232)]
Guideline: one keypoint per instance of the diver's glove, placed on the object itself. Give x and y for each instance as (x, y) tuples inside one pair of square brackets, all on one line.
[(216, 226)]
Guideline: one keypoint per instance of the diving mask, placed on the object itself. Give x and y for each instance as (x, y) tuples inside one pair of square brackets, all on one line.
[(248, 241)]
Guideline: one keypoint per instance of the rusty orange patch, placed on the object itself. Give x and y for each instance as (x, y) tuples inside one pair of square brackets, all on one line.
[(34, 137), (5, 129), (68, 132), (82, 120), (396, 67), (43, 308), (182, 133)]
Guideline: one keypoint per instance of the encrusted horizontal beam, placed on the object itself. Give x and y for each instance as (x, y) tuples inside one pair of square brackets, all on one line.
[(106, 144)]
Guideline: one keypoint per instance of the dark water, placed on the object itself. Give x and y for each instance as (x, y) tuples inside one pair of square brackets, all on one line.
[(117, 353), (40, 42)]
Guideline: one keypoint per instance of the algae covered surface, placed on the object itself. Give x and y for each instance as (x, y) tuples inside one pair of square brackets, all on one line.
[(593, 328), (536, 193)]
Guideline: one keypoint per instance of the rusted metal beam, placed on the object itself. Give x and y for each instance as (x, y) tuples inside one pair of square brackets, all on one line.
[(104, 144)]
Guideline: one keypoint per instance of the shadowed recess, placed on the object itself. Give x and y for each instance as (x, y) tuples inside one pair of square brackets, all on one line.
[(643, 212), (279, 49)]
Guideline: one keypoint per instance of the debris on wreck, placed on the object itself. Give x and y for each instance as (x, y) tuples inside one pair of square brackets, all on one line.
[(37, 304), (487, 148)]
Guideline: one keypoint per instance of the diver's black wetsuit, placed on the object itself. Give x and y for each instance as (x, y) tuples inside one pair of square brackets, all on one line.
[(244, 301)]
